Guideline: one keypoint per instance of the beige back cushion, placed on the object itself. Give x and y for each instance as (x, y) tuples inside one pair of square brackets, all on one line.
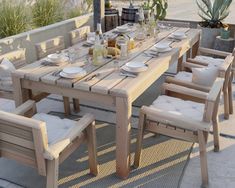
[(24, 140), (78, 35), (17, 57), (49, 46), (175, 24)]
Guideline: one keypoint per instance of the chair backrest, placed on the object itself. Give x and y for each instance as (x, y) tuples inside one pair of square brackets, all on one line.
[(175, 23), (24, 140), (49, 46), (79, 34), (17, 57)]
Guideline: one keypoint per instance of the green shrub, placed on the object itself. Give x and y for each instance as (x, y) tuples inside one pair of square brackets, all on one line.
[(78, 10), (46, 12), (13, 18)]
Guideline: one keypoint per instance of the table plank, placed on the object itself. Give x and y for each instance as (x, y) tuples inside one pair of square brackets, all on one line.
[(106, 78)]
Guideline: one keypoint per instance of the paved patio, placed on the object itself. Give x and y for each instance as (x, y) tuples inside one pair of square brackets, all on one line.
[(221, 165)]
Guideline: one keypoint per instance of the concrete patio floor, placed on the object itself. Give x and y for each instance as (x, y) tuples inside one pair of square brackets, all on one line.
[(221, 165)]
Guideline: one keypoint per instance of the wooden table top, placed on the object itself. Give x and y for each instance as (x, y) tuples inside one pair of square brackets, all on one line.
[(109, 81)]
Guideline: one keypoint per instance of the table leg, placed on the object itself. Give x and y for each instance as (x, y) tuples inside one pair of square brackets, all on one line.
[(179, 65), (195, 49), (20, 95), (123, 129)]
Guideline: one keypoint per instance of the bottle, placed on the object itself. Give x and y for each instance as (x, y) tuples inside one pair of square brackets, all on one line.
[(99, 32), (97, 51)]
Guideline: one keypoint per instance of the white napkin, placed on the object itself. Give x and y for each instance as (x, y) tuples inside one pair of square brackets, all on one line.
[(6, 68)]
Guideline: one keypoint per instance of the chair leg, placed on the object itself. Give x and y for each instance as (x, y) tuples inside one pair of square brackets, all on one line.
[(66, 106), (76, 105), (216, 134), (230, 93), (226, 103), (92, 152), (139, 139), (203, 159), (52, 173)]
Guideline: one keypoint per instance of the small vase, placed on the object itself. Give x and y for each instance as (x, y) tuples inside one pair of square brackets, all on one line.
[(225, 34)]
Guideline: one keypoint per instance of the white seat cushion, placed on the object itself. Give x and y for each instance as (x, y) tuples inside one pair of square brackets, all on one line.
[(212, 62), (184, 76), (57, 128), (179, 107)]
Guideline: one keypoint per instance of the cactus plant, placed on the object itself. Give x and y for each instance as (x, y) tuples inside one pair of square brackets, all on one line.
[(213, 12), (160, 8)]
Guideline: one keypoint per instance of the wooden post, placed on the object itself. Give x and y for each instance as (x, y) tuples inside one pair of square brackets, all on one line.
[(99, 8)]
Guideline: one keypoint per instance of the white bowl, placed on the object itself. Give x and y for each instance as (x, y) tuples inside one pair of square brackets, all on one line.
[(178, 34), (135, 66), (54, 57), (161, 46), (122, 28)]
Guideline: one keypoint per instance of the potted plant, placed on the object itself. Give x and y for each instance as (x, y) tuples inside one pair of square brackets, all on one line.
[(160, 7), (213, 12), (146, 8)]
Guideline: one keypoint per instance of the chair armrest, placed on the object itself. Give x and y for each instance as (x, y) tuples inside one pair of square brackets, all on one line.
[(174, 119), (185, 91), (215, 89), (53, 151), (25, 107), (191, 85), (213, 52), (194, 64)]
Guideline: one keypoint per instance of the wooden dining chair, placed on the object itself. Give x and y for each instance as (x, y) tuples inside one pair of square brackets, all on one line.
[(79, 34), (185, 114), (45, 141), (49, 46), (17, 58), (52, 46), (225, 68)]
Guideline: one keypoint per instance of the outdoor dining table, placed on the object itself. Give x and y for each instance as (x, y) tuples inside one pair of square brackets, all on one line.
[(108, 87)]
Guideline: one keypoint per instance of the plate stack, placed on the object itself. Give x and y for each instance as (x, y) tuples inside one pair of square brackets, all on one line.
[(72, 72), (178, 35), (162, 47), (55, 59), (135, 67)]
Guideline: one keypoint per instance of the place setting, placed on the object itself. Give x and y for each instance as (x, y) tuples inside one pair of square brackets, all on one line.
[(157, 49), (132, 69), (55, 60), (177, 36)]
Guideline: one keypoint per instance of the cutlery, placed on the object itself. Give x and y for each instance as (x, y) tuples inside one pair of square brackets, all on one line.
[(128, 74), (56, 73), (92, 77)]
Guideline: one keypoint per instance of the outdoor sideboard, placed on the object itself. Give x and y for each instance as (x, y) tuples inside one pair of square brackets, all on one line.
[(108, 87)]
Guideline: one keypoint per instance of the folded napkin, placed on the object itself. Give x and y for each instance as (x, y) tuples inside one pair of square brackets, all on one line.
[(6, 68)]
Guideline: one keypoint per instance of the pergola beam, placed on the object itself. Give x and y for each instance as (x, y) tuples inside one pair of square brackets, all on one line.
[(99, 10)]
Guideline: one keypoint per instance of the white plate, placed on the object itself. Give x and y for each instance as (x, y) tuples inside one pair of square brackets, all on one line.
[(178, 37), (54, 57), (135, 66), (126, 68), (161, 47), (122, 31), (64, 75), (163, 51), (73, 70)]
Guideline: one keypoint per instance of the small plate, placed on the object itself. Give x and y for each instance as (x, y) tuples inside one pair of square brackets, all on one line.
[(161, 47), (126, 68), (122, 31), (64, 75)]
